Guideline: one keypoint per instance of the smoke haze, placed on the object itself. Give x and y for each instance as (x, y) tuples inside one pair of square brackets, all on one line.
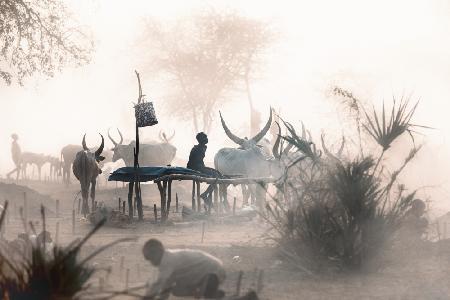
[(376, 49)]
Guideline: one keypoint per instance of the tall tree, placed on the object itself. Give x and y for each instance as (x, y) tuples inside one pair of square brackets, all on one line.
[(204, 58), (38, 36)]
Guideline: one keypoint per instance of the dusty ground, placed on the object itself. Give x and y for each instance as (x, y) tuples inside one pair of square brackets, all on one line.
[(407, 275)]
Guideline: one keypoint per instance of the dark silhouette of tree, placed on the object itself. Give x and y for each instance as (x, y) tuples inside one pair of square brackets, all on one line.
[(38, 36), (204, 58)]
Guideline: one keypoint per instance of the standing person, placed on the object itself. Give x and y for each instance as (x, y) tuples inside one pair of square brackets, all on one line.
[(16, 153), (196, 163), (183, 272)]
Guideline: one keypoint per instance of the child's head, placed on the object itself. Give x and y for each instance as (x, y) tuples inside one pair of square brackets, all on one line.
[(202, 138), (153, 251)]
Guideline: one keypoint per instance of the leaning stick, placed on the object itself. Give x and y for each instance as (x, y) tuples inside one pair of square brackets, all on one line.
[(73, 221), (57, 233), (239, 282), (127, 277)]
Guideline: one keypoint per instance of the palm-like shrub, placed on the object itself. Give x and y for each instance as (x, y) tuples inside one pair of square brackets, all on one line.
[(342, 213)]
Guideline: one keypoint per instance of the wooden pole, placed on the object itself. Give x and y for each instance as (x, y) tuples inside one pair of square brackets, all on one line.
[(122, 261), (164, 201), (120, 201), (239, 282), (57, 233), (199, 200), (216, 198), (25, 207), (234, 206), (73, 221), (169, 198), (176, 202), (155, 212), (130, 199), (193, 196), (127, 278), (57, 208), (123, 207)]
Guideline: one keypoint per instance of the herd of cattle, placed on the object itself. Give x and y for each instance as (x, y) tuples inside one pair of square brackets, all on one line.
[(154, 153), (255, 157)]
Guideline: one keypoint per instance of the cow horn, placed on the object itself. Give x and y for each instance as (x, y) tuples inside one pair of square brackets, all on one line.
[(160, 136), (276, 146), (165, 137), (83, 143), (121, 136), (232, 137), (171, 137), (100, 149), (110, 137), (263, 132)]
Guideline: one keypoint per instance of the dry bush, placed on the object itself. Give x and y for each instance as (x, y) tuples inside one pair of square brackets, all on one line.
[(341, 212), (34, 274)]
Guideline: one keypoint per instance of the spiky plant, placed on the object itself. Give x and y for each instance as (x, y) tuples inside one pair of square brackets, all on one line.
[(343, 213), (39, 276)]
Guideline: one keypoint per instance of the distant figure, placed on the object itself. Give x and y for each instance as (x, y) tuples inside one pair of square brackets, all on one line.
[(183, 272), (196, 163), (16, 154)]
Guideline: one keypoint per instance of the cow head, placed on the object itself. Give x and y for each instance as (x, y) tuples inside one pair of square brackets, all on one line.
[(169, 148), (97, 154), (120, 150)]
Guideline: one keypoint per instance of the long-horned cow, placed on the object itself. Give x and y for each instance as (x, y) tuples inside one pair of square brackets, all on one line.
[(250, 159), (68, 154), (86, 169), (157, 154)]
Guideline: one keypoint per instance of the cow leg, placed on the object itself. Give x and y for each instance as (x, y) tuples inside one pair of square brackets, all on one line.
[(93, 183), (260, 196), (85, 196), (245, 194), (39, 172), (252, 191), (224, 194)]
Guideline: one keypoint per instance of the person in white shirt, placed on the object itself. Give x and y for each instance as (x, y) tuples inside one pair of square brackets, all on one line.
[(183, 272)]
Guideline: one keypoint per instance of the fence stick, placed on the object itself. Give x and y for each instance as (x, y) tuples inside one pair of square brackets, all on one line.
[(57, 208), (57, 233), (73, 221)]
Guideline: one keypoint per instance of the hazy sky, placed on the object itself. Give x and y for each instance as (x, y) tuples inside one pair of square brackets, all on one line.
[(374, 48)]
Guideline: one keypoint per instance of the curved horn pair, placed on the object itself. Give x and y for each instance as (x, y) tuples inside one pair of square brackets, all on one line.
[(163, 137), (255, 139), (112, 140), (275, 149), (99, 150)]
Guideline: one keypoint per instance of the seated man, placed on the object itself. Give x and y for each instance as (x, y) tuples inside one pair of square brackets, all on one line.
[(196, 163), (183, 272)]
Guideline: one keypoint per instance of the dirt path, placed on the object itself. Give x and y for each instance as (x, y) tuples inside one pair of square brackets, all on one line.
[(242, 247)]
